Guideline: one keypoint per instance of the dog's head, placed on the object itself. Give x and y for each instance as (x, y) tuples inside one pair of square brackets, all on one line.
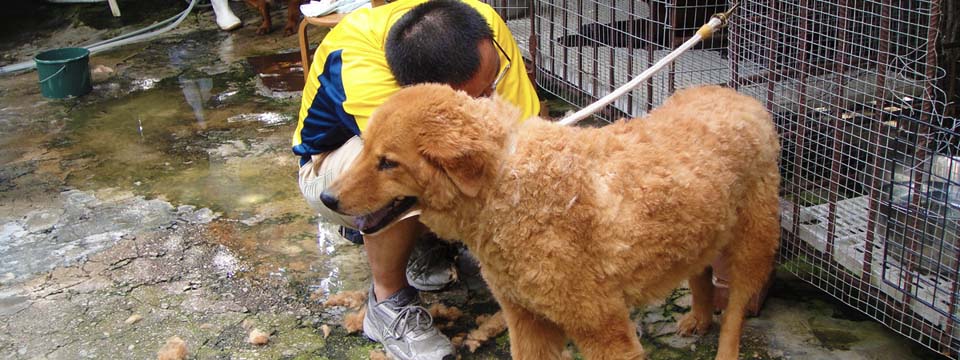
[(428, 146)]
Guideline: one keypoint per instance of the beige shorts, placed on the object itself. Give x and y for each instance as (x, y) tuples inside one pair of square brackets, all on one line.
[(322, 170)]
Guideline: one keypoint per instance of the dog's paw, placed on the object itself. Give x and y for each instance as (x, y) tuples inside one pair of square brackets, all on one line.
[(263, 29), (693, 324), (290, 29)]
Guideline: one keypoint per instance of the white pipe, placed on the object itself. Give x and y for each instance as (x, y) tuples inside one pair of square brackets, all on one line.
[(135, 32), (609, 98), (114, 42), (142, 37)]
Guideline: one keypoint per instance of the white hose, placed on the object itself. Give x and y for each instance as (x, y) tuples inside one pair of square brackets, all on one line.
[(142, 37), (135, 32), (646, 74), (129, 38)]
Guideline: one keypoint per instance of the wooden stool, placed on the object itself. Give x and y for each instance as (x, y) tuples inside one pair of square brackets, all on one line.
[(327, 21)]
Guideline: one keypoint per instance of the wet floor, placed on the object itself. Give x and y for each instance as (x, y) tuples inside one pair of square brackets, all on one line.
[(170, 192), (174, 121)]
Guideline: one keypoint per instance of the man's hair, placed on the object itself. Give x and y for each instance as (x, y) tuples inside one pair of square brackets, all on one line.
[(436, 42)]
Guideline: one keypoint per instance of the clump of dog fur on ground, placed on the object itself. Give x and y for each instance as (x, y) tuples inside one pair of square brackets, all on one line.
[(174, 349), (488, 327), (258, 337), (378, 355), (349, 299)]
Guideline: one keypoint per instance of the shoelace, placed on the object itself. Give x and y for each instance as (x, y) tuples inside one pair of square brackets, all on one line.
[(401, 325)]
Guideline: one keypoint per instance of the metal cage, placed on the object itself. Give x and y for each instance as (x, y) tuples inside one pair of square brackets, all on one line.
[(871, 178), (870, 204)]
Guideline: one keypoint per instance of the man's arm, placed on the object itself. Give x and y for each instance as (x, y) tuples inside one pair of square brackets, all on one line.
[(348, 80)]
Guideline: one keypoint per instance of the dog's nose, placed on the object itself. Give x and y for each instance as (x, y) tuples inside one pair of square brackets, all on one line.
[(329, 200)]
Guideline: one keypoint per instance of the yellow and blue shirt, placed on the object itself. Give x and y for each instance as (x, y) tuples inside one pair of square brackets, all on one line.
[(350, 78)]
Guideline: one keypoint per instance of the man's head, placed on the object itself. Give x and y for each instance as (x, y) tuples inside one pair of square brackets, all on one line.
[(444, 41)]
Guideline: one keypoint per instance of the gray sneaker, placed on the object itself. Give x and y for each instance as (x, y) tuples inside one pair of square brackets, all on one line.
[(405, 328), (432, 264)]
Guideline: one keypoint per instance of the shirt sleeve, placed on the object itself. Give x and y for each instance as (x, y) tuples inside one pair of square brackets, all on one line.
[(348, 79)]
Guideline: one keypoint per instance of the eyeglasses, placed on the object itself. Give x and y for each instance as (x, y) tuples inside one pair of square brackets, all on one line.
[(493, 86)]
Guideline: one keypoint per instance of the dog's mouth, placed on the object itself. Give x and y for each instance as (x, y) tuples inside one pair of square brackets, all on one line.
[(377, 220)]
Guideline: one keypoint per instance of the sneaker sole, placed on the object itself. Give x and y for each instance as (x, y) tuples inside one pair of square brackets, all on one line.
[(425, 287), (431, 288)]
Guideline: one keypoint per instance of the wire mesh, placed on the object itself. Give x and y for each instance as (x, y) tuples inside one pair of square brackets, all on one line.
[(870, 202), (871, 174), (588, 48), (517, 14)]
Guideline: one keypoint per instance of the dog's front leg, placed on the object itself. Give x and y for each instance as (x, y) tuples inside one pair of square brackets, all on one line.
[(607, 336), (532, 337)]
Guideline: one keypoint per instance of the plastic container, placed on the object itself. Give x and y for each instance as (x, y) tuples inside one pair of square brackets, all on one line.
[(64, 72)]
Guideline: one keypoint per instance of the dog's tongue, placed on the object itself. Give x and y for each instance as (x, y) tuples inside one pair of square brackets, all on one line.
[(377, 220), (371, 220)]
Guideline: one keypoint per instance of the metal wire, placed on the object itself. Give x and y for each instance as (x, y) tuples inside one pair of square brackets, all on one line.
[(871, 195), (870, 205), (704, 32), (588, 48)]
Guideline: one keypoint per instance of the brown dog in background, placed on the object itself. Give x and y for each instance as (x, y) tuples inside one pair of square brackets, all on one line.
[(263, 7), (574, 226)]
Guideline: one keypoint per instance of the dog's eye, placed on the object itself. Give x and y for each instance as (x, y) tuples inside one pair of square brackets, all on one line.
[(385, 164)]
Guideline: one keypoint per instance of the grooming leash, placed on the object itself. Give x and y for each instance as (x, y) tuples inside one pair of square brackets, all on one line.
[(717, 22)]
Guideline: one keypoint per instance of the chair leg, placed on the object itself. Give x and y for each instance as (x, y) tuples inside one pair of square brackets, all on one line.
[(304, 50)]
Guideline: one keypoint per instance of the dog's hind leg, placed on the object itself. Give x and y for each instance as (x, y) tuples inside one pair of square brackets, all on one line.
[(264, 9), (750, 256), (293, 17), (698, 320), (611, 335), (531, 336)]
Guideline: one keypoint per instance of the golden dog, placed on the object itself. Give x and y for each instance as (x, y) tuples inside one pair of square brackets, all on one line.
[(573, 226)]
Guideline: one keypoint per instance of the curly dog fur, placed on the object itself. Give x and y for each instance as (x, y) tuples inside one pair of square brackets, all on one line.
[(573, 226)]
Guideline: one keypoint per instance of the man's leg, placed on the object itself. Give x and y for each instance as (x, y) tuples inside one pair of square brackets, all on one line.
[(388, 252), (395, 314)]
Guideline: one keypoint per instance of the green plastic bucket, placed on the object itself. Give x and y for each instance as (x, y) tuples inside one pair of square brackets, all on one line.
[(64, 72)]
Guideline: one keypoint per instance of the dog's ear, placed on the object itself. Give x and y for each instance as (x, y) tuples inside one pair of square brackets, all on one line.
[(453, 141), (464, 168)]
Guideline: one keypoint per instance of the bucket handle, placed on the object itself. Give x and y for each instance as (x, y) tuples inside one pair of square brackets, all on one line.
[(54, 74)]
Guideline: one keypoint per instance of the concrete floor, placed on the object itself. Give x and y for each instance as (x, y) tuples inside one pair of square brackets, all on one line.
[(164, 203)]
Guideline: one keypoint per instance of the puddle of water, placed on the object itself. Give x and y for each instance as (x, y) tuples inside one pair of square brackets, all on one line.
[(187, 128), (267, 118), (325, 262), (834, 339), (200, 141), (168, 142), (343, 264), (279, 72), (197, 93)]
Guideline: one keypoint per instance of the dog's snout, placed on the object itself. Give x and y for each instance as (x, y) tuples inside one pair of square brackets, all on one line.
[(329, 200)]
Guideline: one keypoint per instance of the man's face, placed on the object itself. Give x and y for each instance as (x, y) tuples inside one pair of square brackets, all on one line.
[(481, 84)]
